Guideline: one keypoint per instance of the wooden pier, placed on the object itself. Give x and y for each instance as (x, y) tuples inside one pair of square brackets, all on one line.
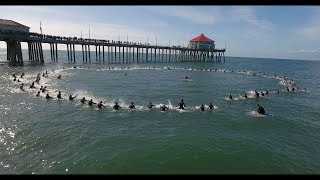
[(105, 50)]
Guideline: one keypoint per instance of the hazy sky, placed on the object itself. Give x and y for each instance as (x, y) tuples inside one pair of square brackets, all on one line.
[(249, 31)]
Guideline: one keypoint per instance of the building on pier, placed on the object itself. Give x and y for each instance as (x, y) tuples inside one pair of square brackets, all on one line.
[(202, 43), (9, 25)]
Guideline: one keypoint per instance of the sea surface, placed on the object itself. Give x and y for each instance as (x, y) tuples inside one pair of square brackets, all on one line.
[(40, 136)]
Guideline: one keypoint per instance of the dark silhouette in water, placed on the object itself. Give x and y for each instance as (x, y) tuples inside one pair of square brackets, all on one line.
[(83, 100), (59, 95), (132, 106), (116, 106), (90, 103), (210, 106), (48, 97), (181, 105), (21, 87), (44, 89), (230, 97), (202, 107), (150, 105), (38, 94), (260, 110), (256, 93), (100, 105), (71, 98), (164, 108), (32, 85)]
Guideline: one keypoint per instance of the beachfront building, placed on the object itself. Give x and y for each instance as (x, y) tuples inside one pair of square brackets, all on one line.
[(202, 42)]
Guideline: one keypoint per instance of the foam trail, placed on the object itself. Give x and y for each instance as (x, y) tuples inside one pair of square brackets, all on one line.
[(256, 114)]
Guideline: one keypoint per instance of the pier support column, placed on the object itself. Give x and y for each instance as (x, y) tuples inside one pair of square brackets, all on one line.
[(68, 51), (99, 54), (82, 53), (103, 53), (74, 54), (29, 52), (89, 54), (14, 53), (137, 54), (86, 52), (115, 54), (133, 54), (56, 52), (41, 52), (147, 54), (122, 54), (96, 53)]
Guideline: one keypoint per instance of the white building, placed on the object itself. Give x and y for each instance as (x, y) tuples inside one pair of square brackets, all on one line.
[(202, 42)]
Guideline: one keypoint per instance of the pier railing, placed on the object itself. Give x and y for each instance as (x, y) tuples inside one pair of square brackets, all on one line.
[(35, 40)]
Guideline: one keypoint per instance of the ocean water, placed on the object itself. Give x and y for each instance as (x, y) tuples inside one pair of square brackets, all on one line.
[(39, 136)]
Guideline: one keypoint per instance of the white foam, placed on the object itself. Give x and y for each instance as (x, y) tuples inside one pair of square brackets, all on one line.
[(256, 114)]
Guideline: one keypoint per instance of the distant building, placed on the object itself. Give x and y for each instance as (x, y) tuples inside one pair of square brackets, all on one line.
[(202, 42), (12, 25)]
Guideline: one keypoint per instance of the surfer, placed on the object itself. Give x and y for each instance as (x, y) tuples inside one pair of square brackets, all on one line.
[(262, 94), (32, 85), (59, 77), (230, 97), (150, 105), (181, 105), (90, 103), (48, 97), (100, 105), (210, 106), (21, 87), (163, 108), (59, 95), (116, 106), (187, 78), (38, 94), (257, 94), (38, 80), (288, 89), (71, 98), (245, 95), (202, 107), (83, 100), (132, 106), (22, 75), (267, 92), (44, 89), (260, 109)]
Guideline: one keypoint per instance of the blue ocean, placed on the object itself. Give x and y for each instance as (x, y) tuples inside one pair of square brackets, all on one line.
[(59, 136)]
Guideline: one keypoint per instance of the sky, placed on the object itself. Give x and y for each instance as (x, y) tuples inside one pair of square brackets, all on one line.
[(289, 32)]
